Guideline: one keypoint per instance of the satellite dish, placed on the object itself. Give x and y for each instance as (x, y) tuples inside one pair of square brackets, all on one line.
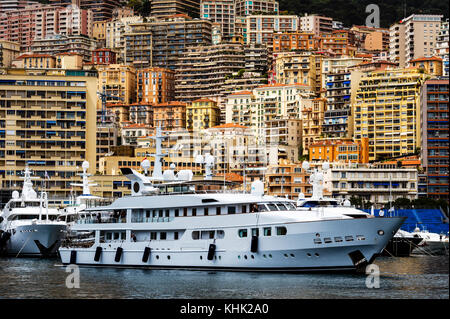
[(305, 165)]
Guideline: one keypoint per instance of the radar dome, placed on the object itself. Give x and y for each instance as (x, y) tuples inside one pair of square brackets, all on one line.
[(85, 165), (185, 175), (145, 164), (347, 203), (305, 165), (15, 195), (172, 166), (257, 188), (168, 175)]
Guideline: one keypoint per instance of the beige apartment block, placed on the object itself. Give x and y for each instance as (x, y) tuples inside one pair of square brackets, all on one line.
[(47, 120), (117, 82), (8, 52)]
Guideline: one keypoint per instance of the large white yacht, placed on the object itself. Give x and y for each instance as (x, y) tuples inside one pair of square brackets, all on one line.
[(172, 225), (28, 227)]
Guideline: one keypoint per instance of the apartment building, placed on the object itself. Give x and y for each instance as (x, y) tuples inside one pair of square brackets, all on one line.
[(265, 103), (434, 103), (221, 12), (287, 180), (155, 85), (102, 9), (387, 111), (164, 8), (117, 82), (441, 49), (99, 32), (283, 139), (103, 56), (159, 43), (413, 37), (316, 24), (244, 7), (260, 29), (58, 44), (380, 184), (130, 133), (313, 112), (288, 41), (46, 123), (369, 39), (345, 150), (202, 114), (107, 139), (115, 30), (13, 5), (303, 68), (338, 42), (9, 51), (202, 70), (170, 115), (432, 65)]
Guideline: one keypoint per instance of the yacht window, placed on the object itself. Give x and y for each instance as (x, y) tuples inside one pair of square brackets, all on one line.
[(185, 210), (194, 211), (116, 236), (262, 208), (242, 233), (281, 231), (167, 213), (108, 236), (220, 234), (161, 213), (244, 209), (231, 210), (338, 239), (217, 210), (177, 212), (311, 204), (195, 235), (327, 240), (205, 211), (360, 237), (123, 235), (267, 231), (153, 235), (348, 238), (255, 232), (155, 214), (147, 214), (163, 235), (253, 208), (317, 241), (175, 235), (207, 234), (272, 206)]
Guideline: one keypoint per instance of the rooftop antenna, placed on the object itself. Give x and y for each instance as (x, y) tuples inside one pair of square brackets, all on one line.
[(85, 183), (157, 167)]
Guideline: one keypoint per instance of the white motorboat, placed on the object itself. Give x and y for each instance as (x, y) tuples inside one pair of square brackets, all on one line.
[(432, 243), (28, 226), (169, 224)]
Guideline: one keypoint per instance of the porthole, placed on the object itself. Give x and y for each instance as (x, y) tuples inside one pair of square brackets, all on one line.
[(381, 232), (245, 256), (270, 256), (308, 254), (253, 257), (220, 257), (292, 255), (316, 254), (201, 257), (239, 256), (168, 257), (157, 257), (286, 255)]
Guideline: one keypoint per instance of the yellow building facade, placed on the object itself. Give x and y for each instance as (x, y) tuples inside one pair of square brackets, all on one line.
[(387, 112), (202, 114), (47, 122), (117, 82)]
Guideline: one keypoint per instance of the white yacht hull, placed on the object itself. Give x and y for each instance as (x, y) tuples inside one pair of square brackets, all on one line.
[(295, 251), (35, 240)]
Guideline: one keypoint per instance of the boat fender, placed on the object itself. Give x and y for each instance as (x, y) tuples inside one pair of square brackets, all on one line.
[(118, 254), (98, 252), (73, 257), (254, 245), (211, 251), (146, 254)]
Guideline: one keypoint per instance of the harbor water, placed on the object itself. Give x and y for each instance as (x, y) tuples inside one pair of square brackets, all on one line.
[(415, 277)]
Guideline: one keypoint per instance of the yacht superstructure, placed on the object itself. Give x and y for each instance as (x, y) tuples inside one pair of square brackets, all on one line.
[(169, 224), (28, 226)]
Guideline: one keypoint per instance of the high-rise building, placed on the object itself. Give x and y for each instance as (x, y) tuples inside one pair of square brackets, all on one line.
[(48, 124), (245, 7), (387, 112), (117, 82), (413, 37), (434, 100), (102, 9), (202, 114), (165, 8), (8, 52), (12, 5), (155, 85), (261, 28), (316, 24), (158, 43), (221, 12), (441, 49), (288, 41)]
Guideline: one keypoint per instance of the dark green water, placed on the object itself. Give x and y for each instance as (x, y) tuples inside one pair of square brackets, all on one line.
[(400, 278)]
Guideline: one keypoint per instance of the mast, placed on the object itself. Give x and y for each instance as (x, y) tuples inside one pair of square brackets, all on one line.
[(157, 167)]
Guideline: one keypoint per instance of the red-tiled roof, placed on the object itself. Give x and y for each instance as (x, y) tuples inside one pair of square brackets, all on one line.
[(434, 58), (229, 125)]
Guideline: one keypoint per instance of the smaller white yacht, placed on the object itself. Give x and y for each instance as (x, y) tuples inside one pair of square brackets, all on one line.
[(28, 227), (432, 243)]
